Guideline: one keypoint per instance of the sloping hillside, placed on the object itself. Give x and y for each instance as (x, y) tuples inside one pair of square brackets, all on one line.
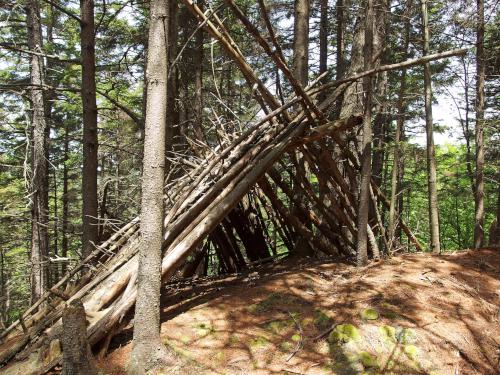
[(413, 314)]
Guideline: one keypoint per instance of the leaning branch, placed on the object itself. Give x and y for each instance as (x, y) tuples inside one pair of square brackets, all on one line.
[(10, 47), (404, 64), (137, 119), (64, 10)]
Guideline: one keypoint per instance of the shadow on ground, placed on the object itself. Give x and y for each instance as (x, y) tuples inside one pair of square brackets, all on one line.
[(413, 314)]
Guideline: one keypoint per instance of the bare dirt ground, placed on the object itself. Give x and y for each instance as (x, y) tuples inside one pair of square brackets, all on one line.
[(412, 314)]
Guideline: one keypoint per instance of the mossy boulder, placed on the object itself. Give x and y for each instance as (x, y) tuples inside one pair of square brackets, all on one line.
[(369, 314), (343, 333)]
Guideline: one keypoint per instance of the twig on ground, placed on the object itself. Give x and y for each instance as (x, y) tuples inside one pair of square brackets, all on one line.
[(300, 344)]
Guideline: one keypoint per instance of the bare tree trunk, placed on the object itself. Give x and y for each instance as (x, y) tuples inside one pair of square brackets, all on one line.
[(90, 142), (77, 356), (400, 120), (39, 180), (148, 352), (65, 200), (301, 42), (340, 39), (431, 154), (366, 150), (494, 235), (323, 36), (480, 71), (466, 129), (300, 70), (198, 81)]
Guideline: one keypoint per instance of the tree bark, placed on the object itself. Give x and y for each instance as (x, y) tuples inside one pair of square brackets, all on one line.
[(480, 71), (429, 129), (366, 149), (148, 352), (90, 140), (301, 42), (198, 81), (65, 200), (77, 356), (39, 180), (323, 37), (340, 39), (397, 139)]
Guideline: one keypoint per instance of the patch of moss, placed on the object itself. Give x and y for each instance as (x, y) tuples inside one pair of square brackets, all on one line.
[(389, 314), (252, 308), (411, 351), (278, 326), (369, 314), (388, 334), (406, 336), (367, 359), (296, 337), (220, 356), (321, 320), (205, 329), (185, 339), (286, 346), (344, 333), (233, 340), (258, 342), (307, 322)]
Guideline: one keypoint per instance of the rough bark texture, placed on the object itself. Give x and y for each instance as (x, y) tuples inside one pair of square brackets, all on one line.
[(323, 36), (396, 167), (429, 130), (90, 142), (480, 71), (301, 42), (366, 149), (39, 179), (340, 38), (148, 351), (77, 356), (198, 81)]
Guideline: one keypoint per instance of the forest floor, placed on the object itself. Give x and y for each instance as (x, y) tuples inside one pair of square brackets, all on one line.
[(411, 314)]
